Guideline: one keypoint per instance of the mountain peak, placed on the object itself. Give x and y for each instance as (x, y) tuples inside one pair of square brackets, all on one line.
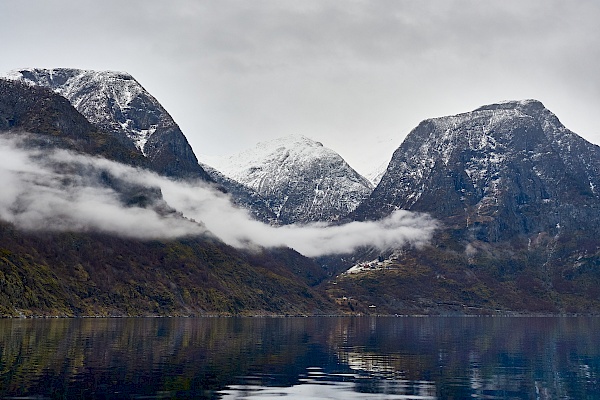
[(74, 84), (482, 126), (34, 74), (289, 141), (299, 147), (504, 169), (303, 180), (105, 98), (116, 103), (513, 104)]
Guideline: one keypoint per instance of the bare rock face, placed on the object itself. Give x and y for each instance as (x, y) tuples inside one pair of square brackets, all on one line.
[(502, 170), (115, 102)]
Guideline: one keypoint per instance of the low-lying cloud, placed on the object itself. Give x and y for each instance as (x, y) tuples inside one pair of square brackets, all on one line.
[(57, 190), (62, 191)]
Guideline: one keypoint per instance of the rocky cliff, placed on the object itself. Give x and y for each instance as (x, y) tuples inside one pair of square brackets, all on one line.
[(115, 102), (502, 170)]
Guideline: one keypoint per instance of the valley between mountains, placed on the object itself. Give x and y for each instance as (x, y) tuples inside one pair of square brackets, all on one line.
[(106, 211)]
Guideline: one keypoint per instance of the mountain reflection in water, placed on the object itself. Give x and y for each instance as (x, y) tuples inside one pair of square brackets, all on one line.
[(316, 357)]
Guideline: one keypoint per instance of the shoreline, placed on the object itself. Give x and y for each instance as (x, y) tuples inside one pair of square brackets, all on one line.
[(447, 315)]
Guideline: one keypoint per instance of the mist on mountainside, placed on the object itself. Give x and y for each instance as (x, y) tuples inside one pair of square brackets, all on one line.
[(58, 190)]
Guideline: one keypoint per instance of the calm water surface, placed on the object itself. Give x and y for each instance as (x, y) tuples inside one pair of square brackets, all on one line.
[(302, 358)]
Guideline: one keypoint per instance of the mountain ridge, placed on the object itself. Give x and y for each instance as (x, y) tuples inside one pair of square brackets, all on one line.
[(514, 191), (483, 151)]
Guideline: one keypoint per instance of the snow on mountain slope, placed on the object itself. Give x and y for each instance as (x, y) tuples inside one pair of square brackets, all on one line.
[(503, 169), (302, 180), (243, 196), (98, 94), (116, 103)]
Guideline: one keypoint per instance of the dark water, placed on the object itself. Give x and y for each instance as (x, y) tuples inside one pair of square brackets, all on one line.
[(300, 358)]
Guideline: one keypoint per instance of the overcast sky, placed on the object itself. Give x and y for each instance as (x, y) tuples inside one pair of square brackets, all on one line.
[(355, 75)]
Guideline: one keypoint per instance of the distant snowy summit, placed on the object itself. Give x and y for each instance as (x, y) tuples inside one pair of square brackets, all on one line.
[(116, 103), (302, 180)]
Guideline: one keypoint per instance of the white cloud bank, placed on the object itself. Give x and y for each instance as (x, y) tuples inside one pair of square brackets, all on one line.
[(61, 191)]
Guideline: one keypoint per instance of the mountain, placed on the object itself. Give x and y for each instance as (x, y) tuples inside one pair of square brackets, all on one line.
[(55, 123), (91, 274), (115, 102), (514, 191), (517, 195), (302, 180), (502, 170), (47, 121), (375, 175), (74, 272)]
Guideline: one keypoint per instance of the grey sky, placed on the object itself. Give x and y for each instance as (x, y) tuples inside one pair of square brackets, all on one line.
[(355, 75)]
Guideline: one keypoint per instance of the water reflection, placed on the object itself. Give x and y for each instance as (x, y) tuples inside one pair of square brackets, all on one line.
[(236, 358), (317, 384)]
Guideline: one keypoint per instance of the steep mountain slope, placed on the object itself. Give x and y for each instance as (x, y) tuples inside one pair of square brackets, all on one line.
[(243, 196), (517, 194), (71, 274), (302, 180), (499, 171), (115, 102), (55, 123)]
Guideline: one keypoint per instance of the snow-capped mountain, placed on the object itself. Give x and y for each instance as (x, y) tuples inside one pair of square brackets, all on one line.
[(516, 195), (503, 169), (115, 102), (514, 191), (302, 180)]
